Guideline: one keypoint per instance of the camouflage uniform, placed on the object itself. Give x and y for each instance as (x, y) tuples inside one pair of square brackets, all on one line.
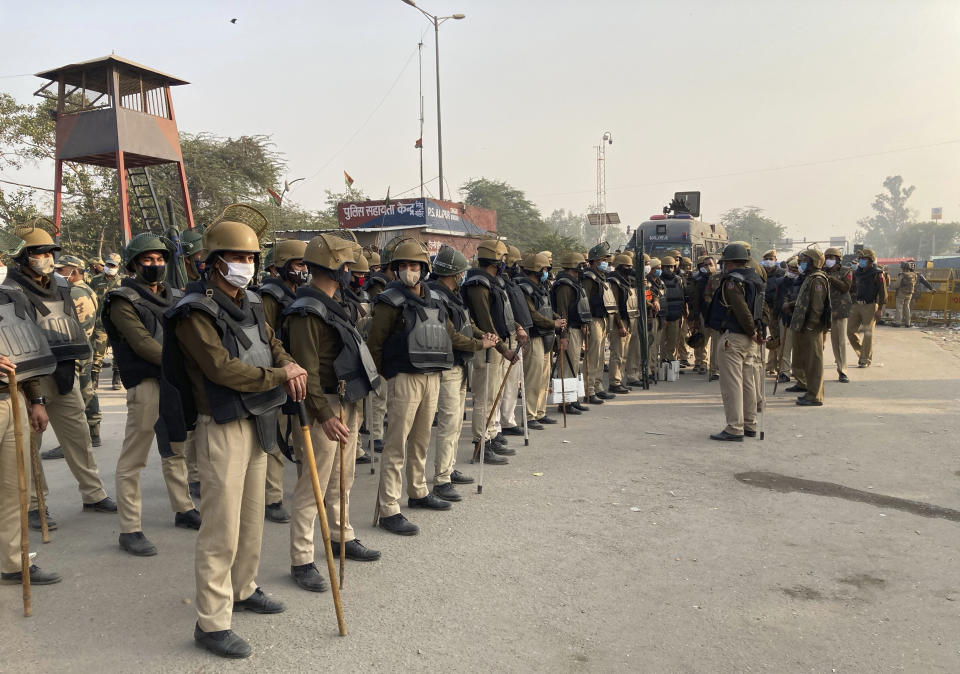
[(101, 284), (87, 305)]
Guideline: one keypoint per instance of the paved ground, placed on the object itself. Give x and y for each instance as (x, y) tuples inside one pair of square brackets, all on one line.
[(625, 543)]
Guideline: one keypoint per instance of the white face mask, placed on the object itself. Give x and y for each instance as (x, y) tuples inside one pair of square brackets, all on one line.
[(3, 274), (409, 277), (646, 269), (830, 263), (704, 270), (792, 274), (42, 265), (768, 263), (239, 274), (111, 271)]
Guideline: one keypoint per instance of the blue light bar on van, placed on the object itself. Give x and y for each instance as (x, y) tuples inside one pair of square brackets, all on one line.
[(682, 216)]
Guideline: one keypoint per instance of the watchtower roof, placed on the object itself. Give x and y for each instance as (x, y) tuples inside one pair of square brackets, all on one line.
[(73, 72)]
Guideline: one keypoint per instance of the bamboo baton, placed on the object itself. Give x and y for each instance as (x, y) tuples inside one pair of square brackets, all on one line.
[(496, 403), (22, 489), (586, 362), (563, 388), (38, 487), (341, 387), (322, 514)]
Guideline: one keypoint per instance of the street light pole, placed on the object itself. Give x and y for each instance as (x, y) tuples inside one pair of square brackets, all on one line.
[(436, 21)]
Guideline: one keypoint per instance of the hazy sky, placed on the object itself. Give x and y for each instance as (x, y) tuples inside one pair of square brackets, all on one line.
[(697, 95)]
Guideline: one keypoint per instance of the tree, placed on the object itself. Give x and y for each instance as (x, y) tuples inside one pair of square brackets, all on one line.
[(327, 219), (517, 217), (749, 224), (921, 240), (567, 224), (891, 215)]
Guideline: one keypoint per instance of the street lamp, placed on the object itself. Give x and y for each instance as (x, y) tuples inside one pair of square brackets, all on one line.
[(436, 21)]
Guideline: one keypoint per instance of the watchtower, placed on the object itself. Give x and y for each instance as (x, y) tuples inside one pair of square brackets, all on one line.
[(116, 113)]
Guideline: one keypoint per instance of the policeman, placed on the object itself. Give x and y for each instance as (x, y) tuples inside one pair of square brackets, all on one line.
[(570, 303), (24, 349), (706, 269), (449, 268), (133, 320), (57, 319), (672, 308), (376, 281), (655, 311), (905, 291), (735, 313), (324, 339), (224, 375), (809, 321), (628, 309), (191, 245), (869, 293), (840, 278), (101, 283), (489, 305), (784, 297), (536, 354), (412, 342), (685, 272), (506, 421), (603, 308), (277, 294), (634, 358)]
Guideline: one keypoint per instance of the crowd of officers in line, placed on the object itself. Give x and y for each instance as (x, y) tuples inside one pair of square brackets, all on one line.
[(391, 341)]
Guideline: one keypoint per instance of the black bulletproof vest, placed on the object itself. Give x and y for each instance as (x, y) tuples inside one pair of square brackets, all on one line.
[(868, 284), (501, 311), (674, 297), (518, 303), (354, 364), (150, 308), (578, 313), (540, 297), (21, 339), (721, 317), (423, 344), (459, 316)]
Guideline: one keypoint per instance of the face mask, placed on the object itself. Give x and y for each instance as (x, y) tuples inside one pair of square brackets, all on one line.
[(41, 265), (358, 281), (153, 274), (830, 264), (239, 274), (345, 278), (628, 271), (3, 274), (199, 266), (297, 277), (409, 277), (658, 272), (768, 263), (792, 274), (862, 264), (459, 280), (803, 267), (544, 275), (501, 267), (604, 266), (666, 273), (704, 270), (646, 269), (111, 271)]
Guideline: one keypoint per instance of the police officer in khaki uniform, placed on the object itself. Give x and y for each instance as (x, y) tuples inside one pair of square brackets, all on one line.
[(23, 349), (60, 390), (191, 246), (376, 281), (489, 305), (618, 332), (603, 308), (735, 313), (277, 294), (449, 268), (703, 290), (226, 374), (809, 321), (322, 337), (544, 327), (840, 278), (655, 321), (672, 307), (133, 320), (505, 422), (101, 284), (570, 303), (869, 293), (634, 360), (412, 342), (905, 291)]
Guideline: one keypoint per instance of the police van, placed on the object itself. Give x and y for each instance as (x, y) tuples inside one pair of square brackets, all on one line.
[(679, 228)]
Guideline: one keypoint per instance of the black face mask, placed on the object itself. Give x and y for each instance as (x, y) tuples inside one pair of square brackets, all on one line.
[(297, 278), (152, 274), (667, 274), (345, 278)]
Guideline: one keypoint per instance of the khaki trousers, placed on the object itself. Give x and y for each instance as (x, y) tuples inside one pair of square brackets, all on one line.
[(862, 317), (143, 409), (738, 381), (680, 350), (411, 404), (536, 378), (838, 339), (668, 339), (378, 410), (634, 362), (232, 467), (713, 337), (618, 353), (786, 334), (190, 455), (903, 308), (574, 353), (69, 423), (809, 346), (326, 452), (273, 489), (484, 387), (700, 352), (595, 348), (511, 389), (451, 401), (9, 489)]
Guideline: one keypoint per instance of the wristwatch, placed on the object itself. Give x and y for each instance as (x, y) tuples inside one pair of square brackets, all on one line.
[(38, 401)]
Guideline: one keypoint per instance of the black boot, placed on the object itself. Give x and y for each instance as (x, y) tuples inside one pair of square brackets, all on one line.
[(501, 450), (258, 602), (195, 491), (428, 502), (187, 520), (619, 388), (225, 643), (570, 409), (356, 551), (137, 544), (33, 518), (275, 512), (446, 492), (456, 477), (117, 384), (55, 453), (104, 505), (308, 577), (580, 406), (594, 400)]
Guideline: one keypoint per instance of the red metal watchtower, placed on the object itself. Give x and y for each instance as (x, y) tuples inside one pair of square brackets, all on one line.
[(115, 113)]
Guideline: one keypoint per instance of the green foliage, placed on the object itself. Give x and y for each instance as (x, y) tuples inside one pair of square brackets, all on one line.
[(327, 218), (924, 239), (891, 215), (517, 218), (749, 224)]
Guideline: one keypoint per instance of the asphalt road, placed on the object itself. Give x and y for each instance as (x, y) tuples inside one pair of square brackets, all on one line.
[(623, 543)]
